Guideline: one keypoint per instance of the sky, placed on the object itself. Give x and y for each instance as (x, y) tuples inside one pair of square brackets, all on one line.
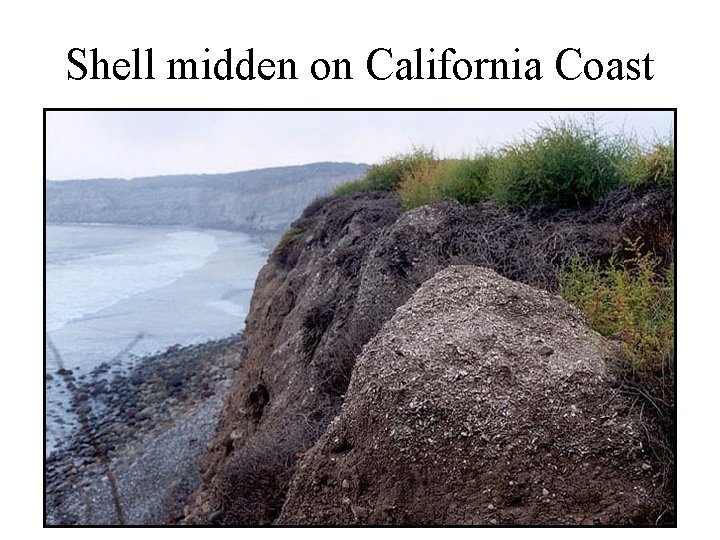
[(127, 144)]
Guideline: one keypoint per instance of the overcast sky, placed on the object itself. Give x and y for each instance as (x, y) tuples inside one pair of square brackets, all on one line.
[(122, 144)]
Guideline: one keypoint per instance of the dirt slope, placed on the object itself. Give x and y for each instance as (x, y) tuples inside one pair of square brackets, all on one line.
[(339, 274), (482, 401)]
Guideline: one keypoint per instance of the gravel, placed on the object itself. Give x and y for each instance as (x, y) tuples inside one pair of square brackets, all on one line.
[(153, 429)]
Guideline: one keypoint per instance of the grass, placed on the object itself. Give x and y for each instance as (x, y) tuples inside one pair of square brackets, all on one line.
[(389, 174), (654, 165), (292, 236), (285, 252), (630, 301), (465, 180), (568, 164)]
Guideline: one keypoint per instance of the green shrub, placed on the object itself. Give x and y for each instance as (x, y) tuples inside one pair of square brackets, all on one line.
[(567, 165), (292, 237), (353, 186), (654, 166), (629, 301), (420, 186), (387, 175), (465, 180), (468, 181)]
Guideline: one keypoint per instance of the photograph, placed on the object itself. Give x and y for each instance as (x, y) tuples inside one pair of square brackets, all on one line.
[(360, 317)]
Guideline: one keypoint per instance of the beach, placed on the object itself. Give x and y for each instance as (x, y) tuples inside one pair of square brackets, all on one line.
[(116, 294), (155, 422)]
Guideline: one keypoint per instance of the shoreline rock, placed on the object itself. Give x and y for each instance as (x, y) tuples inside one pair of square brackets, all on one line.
[(150, 426)]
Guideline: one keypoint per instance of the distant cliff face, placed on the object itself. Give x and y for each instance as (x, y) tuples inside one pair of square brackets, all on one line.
[(338, 275), (255, 201)]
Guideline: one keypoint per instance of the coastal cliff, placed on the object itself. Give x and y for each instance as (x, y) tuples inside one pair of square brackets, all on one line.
[(260, 201), (375, 353)]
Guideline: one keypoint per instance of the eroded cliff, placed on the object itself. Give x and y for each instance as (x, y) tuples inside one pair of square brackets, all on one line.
[(337, 276)]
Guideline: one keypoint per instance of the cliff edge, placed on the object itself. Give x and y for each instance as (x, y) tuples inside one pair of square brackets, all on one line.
[(337, 276)]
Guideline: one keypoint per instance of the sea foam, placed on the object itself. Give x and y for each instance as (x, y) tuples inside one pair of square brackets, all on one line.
[(80, 286)]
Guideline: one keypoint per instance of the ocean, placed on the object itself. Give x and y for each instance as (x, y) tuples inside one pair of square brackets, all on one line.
[(121, 292)]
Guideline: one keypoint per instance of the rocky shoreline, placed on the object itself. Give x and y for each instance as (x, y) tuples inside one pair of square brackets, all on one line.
[(138, 461)]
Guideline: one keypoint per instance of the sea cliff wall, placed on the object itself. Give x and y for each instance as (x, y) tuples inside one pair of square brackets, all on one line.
[(259, 201), (336, 278)]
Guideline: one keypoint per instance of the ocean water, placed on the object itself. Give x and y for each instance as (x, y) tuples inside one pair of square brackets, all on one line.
[(114, 292)]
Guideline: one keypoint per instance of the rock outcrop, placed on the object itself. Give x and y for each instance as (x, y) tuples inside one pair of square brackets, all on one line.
[(336, 277), (482, 401)]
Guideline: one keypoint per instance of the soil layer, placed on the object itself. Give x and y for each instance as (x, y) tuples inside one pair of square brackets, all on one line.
[(336, 277)]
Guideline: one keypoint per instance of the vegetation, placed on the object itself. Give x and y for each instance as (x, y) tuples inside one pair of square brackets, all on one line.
[(655, 165), (568, 164), (630, 301), (388, 175), (291, 237), (634, 302), (466, 180), (285, 252)]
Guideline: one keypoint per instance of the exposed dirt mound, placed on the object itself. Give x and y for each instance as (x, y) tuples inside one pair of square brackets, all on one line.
[(339, 273), (482, 401)]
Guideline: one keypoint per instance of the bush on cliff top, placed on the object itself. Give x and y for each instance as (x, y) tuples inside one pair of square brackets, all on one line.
[(388, 175), (568, 164), (465, 180), (655, 166)]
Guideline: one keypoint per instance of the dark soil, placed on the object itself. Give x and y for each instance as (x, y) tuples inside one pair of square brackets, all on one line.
[(332, 283), (482, 401)]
